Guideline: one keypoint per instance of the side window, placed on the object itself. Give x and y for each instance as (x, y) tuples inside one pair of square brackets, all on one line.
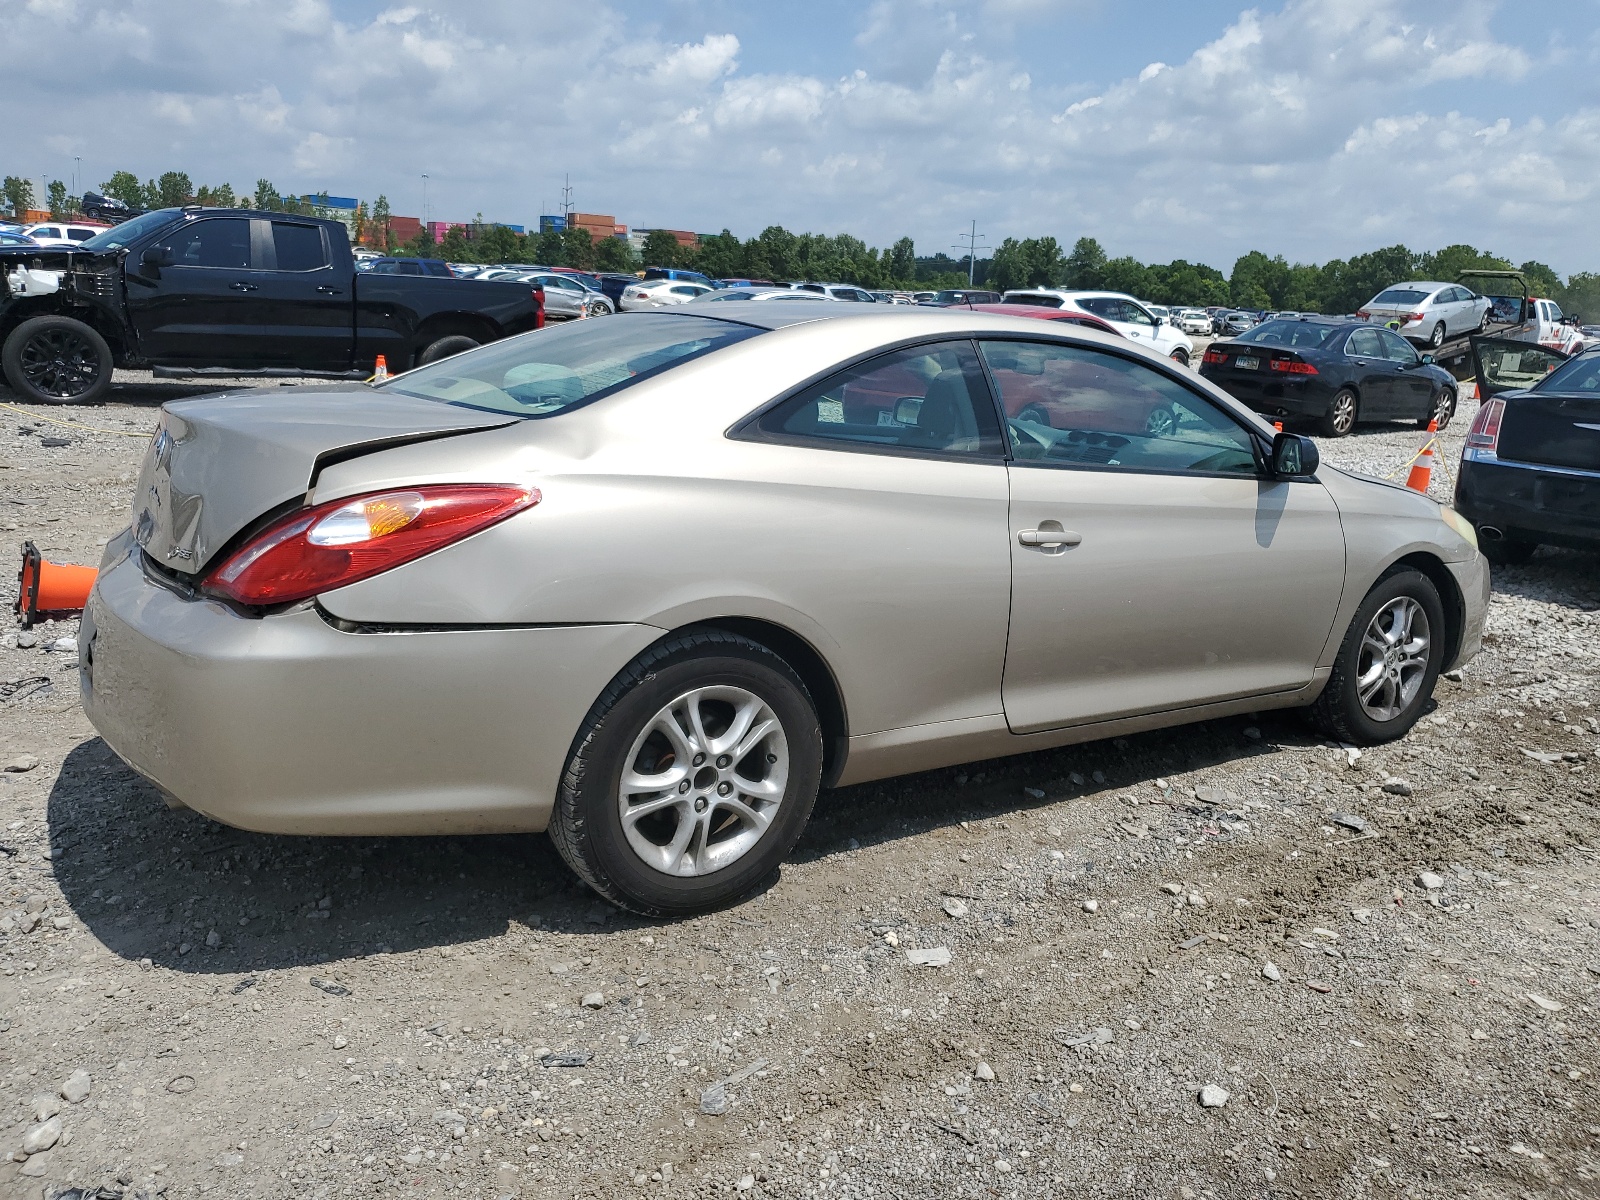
[(409, 268), (1100, 306), (299, 247), (1071, 405), (931, 399), (80, 235), (1396, 347), (1364, 343), (1555, 311), (1134, 315), (220, 242)]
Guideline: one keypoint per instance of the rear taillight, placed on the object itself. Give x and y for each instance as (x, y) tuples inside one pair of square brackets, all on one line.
[(1290, 366), (1214, 357), (1412, 317), (1362, 314), (538, 298), (315, 550), (1485, 431)]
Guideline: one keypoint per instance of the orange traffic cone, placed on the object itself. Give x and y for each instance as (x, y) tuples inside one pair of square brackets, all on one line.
[(47, 587), (381, 372), (1422, 465), (1278, 425)]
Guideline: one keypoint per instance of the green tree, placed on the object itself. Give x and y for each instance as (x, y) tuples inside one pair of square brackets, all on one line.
[(1086, 265), (577, 250), (19, 194), (661, 249), (383, 218), (549, 248), (1542, 281), (420, 245), (1030, 263), (57, 192), (721, 256), (1444, 265), (454, 247), (124, 186), (1580, 296), (267, 196), (773, 254), (614, 254), (902, 265), (172, 190), (1344, 286)]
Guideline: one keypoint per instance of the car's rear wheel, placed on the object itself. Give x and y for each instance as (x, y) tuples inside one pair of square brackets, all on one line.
[(692, 777), (444, 347), (1340, 418), (1161, 422), (1444, 407), (1483, 323), (1387, 666), (57, 360), (1436, 338), (1180, 356)]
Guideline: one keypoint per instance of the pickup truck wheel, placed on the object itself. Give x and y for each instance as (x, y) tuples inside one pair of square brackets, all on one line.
[(445, 347), (57, 360)]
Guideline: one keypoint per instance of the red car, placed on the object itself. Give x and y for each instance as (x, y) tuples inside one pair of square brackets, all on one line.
[(1067, 394)]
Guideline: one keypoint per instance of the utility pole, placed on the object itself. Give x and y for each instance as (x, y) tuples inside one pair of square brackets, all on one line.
[(970, 244), (566, 200), (424, 201), (76, 162)]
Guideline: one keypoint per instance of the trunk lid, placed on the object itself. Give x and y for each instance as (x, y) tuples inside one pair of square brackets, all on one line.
[(218, 464), (1552, 430)]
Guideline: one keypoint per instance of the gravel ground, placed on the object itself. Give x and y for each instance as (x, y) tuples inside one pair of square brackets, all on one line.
[(1228, 960)]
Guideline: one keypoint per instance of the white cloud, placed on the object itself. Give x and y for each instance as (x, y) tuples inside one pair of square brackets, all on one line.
[(1308, 128)]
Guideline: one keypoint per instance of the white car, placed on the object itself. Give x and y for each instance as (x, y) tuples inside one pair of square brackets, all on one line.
[(838, 291), (1428, 313), (58, 233), (1129, 317), (1194, 320), (660, 293), (763, 293)]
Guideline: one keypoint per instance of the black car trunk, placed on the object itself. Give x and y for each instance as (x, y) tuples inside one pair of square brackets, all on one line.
[(217, 465), (1551, 430)]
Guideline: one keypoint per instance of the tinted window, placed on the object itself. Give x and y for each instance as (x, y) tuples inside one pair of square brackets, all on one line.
[(1555, 311), (1401, 296), (1294, 334), (545, 373), (1396, 347), (80, 235), (1100, 306), (1364, 343), (1073, 405), (1040, 301), (299, 247), (221, 242), (924, 398), (1577, 375)]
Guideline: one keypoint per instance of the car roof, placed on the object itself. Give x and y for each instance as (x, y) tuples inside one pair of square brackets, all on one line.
[(1430, 285)]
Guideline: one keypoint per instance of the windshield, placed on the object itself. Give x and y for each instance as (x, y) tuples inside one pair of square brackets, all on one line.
[(1294, 334), (549, 371), (129, 232), (1581, 374), (1401, 296)]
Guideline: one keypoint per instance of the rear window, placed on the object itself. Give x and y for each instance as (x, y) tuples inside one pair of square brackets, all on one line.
[(549, 371), (1294, 334), (1580, 374), (1037, 301), (1401, 296)]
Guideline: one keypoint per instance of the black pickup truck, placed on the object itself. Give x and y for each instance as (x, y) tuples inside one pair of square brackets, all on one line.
[(198, 291)]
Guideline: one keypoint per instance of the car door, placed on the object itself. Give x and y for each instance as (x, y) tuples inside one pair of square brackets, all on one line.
[(1413, 387), (893, 471), (1509, 364), (201, 307), (562, 297), (307, 310), (1373, 374), (1153, 573)]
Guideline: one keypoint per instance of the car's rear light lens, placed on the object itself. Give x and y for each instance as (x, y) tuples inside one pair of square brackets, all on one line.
[(1485, 431), (1412, 317), (538, 297), (1290, 366), (332, 545), (1362, 314), (1215, 357)]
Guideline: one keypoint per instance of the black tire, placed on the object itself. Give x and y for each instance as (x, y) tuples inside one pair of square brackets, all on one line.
[(1180, 356), (1436, 338), (445, 347), (1506, 551), (1483, 323), (1344, 410), (1338, 711), (586, 825), (1443, 409), (57, 360)]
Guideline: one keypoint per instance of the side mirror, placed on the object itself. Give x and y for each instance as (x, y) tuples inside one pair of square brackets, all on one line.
[(1294, 457), (156, 256), (1427, 360), (907, 409)]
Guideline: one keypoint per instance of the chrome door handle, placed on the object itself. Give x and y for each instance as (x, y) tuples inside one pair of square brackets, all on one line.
[(244, 287), (1048, 537)]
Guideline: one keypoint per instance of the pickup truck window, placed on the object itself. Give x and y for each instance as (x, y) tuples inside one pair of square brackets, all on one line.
[(546, 373), (299, 247), (218, 242), (131, 231)]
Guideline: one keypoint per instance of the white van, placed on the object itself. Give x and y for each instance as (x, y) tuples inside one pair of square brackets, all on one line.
[(1130, 318)]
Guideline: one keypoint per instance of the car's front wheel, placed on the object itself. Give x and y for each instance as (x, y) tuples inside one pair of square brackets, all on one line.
[(1180, 356), (1389, 661), (1444, 407), (692, 777), (57, 360), (1340, 418)]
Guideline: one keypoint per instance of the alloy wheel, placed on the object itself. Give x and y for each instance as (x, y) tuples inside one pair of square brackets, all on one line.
[(1343, 416), (60, 363), (1444, 407), (1437, 338), (703, 781), (1393, 660), (1161, 422)]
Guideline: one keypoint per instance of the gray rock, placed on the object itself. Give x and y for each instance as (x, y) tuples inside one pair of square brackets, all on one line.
[(1251, 732), (21, 763), (1033, 793), (714, 1100), (1427, 879), (1397, 787), (448, 1117), (27, 640), (45, 1106), (37, 1165), (213, 939), (1099, 776), (984, 1072), (954, 907), (1212, 1096), (34, 904), (77, 1087), (1091, 906), (1270, 971), (66, 645), (594, 1000), (1350, 821), (1211, 795), (933, 956), (42, 1136)]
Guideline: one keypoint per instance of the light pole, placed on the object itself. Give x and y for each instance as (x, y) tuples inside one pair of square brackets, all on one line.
[(76, 162), (424, 201)]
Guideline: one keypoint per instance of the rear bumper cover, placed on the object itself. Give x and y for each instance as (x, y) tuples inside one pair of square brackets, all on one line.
[(1281, 396), (284, 724), (1558, 506)]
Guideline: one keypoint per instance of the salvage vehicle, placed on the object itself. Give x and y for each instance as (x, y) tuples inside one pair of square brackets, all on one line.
[(1335, 372), (194, 291), (1530, 469), (1429, 313), (650, 582)]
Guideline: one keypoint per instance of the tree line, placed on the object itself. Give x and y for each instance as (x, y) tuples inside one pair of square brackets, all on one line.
[(1256, 281)]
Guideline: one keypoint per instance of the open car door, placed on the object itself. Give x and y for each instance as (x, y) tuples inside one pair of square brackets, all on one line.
[(1506, 364)]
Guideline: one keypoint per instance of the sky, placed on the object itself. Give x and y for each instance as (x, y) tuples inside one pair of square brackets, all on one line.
[(1198, 130)]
